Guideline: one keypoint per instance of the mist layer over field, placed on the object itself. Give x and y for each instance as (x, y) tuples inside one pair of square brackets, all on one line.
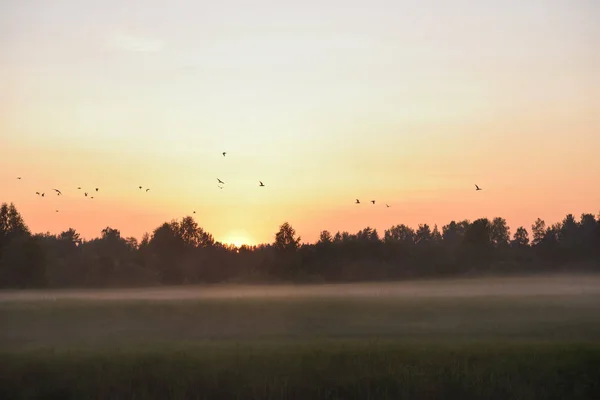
[(579, 284), (531, 308)]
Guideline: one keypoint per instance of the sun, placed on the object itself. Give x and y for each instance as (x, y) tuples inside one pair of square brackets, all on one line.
[(238, 239)]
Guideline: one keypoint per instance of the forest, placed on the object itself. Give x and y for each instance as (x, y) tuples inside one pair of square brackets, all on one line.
[(182, 252)]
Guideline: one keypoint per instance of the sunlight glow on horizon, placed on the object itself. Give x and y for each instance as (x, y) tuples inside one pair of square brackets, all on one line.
[(404, 102), (238, 239)]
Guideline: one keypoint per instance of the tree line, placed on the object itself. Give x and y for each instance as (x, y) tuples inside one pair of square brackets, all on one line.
[(182, 252)]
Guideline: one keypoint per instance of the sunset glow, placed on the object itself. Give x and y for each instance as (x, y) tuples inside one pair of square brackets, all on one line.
[(407, 103), (238, 239)]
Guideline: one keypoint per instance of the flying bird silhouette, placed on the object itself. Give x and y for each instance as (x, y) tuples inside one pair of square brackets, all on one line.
[(79, 187), (96, 189), (43, 194), (57, 191), (85, 194), (147, 190), (373, 201), (477, 188), (194, 212), (220, 181), (140, 187), (261, 184), (224, 153), (387, 205), (38, 193), (357, 201), (18, 177), (56, 210)]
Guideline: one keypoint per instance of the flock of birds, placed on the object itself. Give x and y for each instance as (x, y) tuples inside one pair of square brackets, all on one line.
[(220, 186), (223, 183), (387, 205), (59, 193)]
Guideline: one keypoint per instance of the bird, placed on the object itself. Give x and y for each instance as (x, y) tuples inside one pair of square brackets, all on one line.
[(261, 184), (224, 153), (56, 210), (85, 194), (57, 191), (38, 193), (147, 190), (18, 177), (357, 201), (373, 201), (43, 194), (96, 189), (220, 181), (194, 212), (140, 187), (387, 205), (79, 187), (478, 188), (91, 197)]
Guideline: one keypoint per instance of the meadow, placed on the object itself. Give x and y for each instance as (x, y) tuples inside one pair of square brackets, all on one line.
[(492, 338)]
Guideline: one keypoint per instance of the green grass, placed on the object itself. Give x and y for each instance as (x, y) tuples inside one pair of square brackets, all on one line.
[(345, 369), (425, 347), (96, 323)]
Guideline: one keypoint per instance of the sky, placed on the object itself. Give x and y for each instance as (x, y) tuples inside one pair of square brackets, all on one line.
[(408, 103)]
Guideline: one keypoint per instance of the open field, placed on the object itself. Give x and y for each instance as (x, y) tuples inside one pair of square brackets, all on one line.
[(529, 337), (532, 285), (341, 369)]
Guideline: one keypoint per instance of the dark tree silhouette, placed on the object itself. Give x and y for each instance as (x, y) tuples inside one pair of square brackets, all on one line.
[(23, 263), (521, 237), (180, 252), (500, 232), (423, 235), (367, 235), (192, 234), (399, 233), (17, 267), (286, 239), (325, 237), (587, 232), (11, 223), (538, 230), (454, 233), (167, 249), (478, 244), (70, 236), (436, 236)]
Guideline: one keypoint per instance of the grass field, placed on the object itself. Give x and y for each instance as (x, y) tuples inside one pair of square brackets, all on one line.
[(476, 338)]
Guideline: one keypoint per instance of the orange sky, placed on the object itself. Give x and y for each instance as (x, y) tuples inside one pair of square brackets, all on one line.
[(324, 102)]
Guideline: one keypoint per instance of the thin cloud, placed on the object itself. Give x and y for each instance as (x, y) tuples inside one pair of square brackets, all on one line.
[(130, 42)]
